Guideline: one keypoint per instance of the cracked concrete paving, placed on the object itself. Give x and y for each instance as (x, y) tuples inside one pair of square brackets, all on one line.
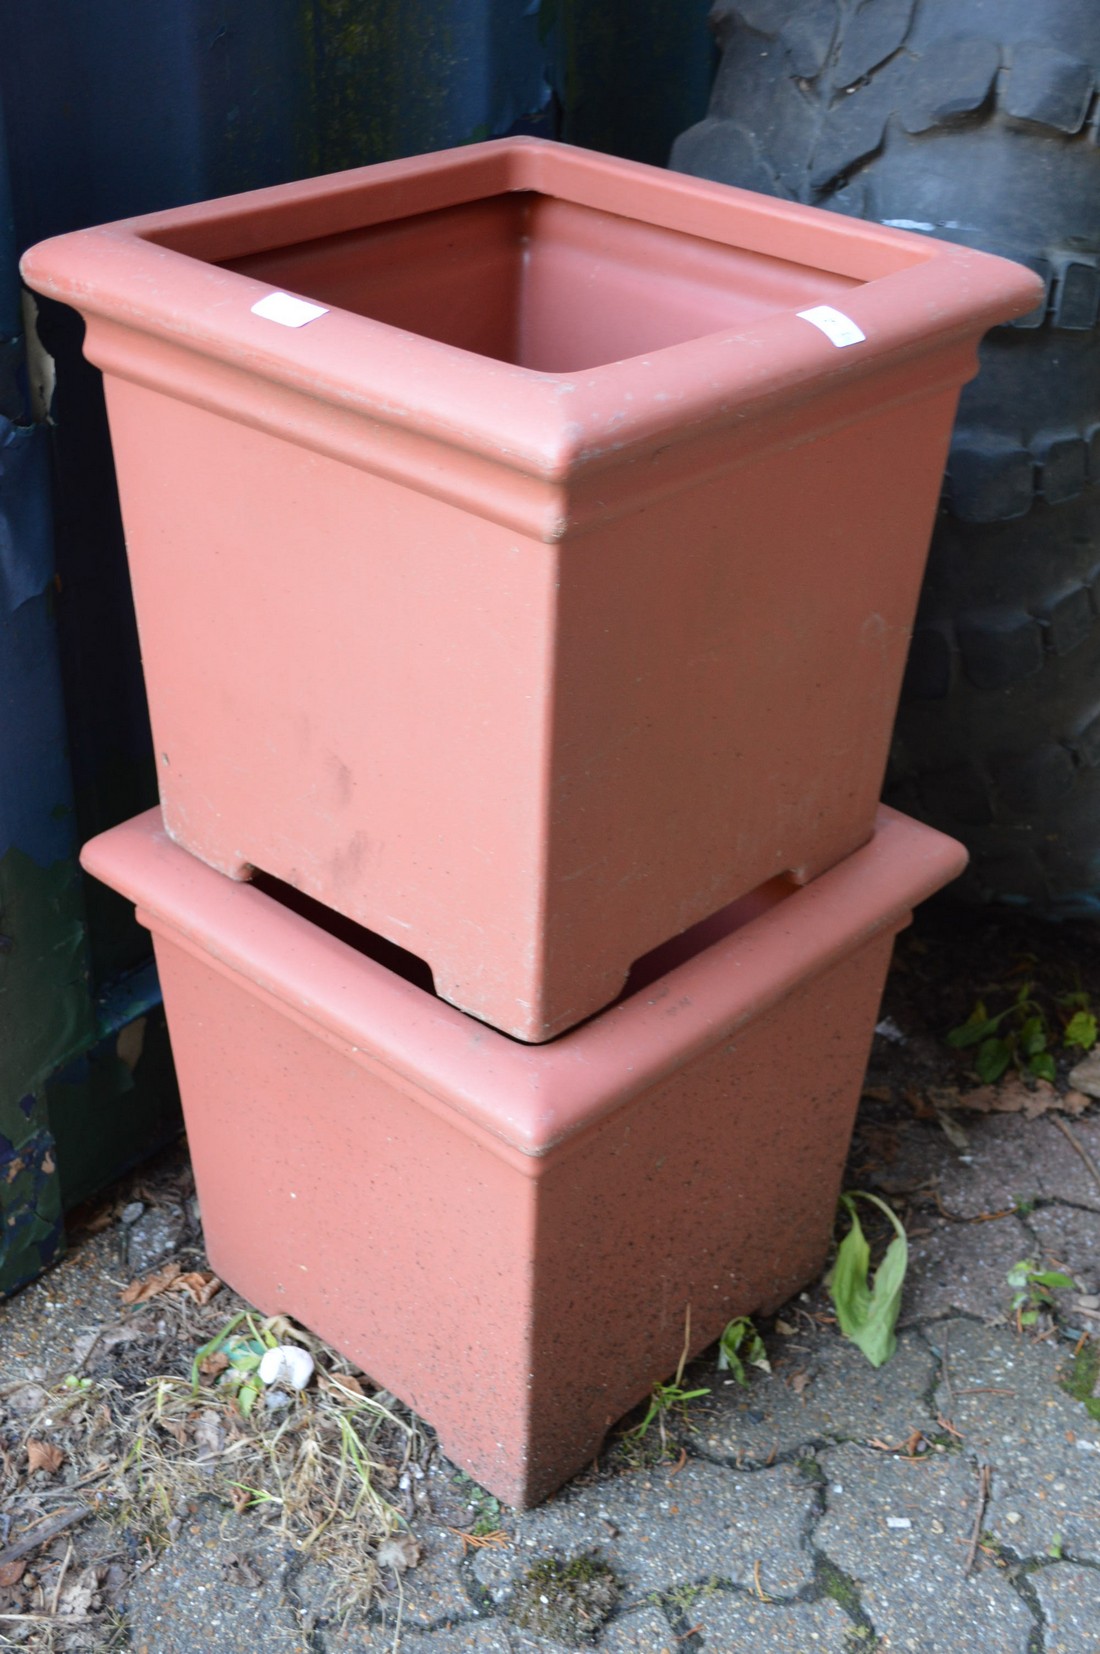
[(826, 1506)]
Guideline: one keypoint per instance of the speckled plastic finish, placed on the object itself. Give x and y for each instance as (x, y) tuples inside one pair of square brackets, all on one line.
[(508, 1236), (552, 587)]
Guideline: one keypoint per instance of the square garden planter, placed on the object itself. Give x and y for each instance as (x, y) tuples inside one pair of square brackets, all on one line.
[(545, 583), (507, 1236)]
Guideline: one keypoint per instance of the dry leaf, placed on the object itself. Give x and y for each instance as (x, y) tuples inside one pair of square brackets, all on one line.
[(201, 1286), (399, 1552), (1012, 1095), (213, 1364), (952, 1130), (209, 1437), (81, 1595), (139, 1292), (44, 1456), (26, 1399), (239, 1569), (346, 1381), (799, 1381), (12, 1572)]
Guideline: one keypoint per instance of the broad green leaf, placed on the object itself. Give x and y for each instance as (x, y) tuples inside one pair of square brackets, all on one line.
[(1081, 1030), (1033, 1037), (740, 1343), (1042, 1066), (868, 1310), (1054, 1278), (978, 1026), (992, 1059)]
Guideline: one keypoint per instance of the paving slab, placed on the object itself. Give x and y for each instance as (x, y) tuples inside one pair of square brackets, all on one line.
[(470, 1638), (79, 1294), (664, 1528), (889, 1519), (735, 1622), (1069, 1597), (823, 1389), (1069, 1237), (645, 1632), (1008, 1404), (215, 1590), (952, 1270)]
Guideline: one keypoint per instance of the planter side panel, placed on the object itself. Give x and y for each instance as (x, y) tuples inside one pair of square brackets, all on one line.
[(716, 1189), (729, 663), (332, 1197), (520, 1306), (347, 683)]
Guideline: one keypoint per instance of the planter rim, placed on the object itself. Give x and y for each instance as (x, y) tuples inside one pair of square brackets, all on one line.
[(530, 1097), (918, 297)]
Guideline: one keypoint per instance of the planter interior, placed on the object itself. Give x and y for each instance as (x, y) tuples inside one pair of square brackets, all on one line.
[(540, 282), (508, 1236)]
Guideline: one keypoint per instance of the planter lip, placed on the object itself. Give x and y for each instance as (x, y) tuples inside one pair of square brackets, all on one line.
[(532, 1098), (918, 296)]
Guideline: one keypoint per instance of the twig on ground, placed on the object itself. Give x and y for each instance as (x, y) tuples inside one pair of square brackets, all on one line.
[(985, 1475), (42, 1534), (1075, 1143), (56, 1598)]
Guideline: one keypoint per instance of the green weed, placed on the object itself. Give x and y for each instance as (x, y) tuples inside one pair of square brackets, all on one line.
[(867, 1310)]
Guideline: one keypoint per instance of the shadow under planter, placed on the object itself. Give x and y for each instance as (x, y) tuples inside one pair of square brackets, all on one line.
[(507, 1236), (525, 543)]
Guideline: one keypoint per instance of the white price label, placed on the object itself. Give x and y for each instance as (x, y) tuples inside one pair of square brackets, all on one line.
[(288, 311), (838, 328)]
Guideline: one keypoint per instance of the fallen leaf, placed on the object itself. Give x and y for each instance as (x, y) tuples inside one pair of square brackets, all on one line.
[(951, 1129), (1013, 1095), (12, 1572), (878, 1093), (201, 1286), (139, 1292), (239, 1569), (208, 1435), (104, 1340), (44, 1456), (81, 1596), (26, 1399), (798, 1382), (344, 1381), (399, 1552), (213, 1364)]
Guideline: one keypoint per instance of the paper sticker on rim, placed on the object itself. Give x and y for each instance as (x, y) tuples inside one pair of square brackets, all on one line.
[(287, 310), (838, 328)]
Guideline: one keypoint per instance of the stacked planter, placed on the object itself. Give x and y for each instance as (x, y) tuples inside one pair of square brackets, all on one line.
[(525, 546)]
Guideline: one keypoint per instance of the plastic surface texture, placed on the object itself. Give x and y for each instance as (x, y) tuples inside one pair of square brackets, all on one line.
[(551, 590), (505, 1235)]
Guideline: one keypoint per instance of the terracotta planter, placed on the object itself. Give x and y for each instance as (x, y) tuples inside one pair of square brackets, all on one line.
[(550, 588), (507, 1236)]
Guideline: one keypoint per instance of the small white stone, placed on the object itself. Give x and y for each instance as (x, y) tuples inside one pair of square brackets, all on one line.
[(1012, 1516), (898, 1522), (287, 1364)]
